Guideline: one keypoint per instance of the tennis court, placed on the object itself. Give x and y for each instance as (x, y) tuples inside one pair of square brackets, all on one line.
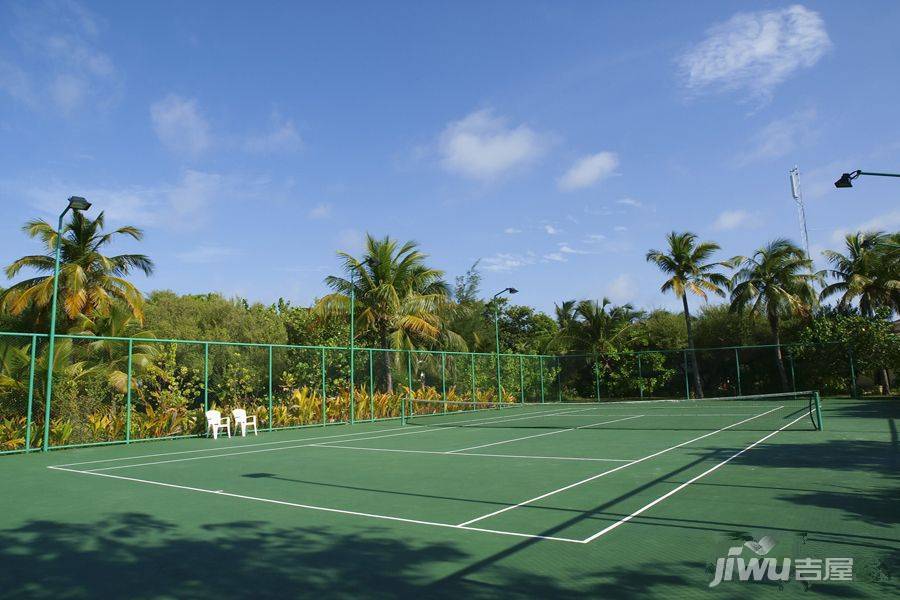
[(559, 493)]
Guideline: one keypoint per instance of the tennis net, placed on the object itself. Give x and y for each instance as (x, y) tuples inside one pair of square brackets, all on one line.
[(764, 412)]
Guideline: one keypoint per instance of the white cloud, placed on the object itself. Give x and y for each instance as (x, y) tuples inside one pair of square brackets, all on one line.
[(180, 206), (622, 289), (67, 72), (180, 126), (630, 202), (482, 146), (320, 211), (594, 238), (551, 230), (554, 257), (282, 138), (780, 137), (886, 222), (736, 219), (503, 261), (511, 231), (206, 254), (567, 249), (351, 241), (620, 228), (589, 170), (756, 51)]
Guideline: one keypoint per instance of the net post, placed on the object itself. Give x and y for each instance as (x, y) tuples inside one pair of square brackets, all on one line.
[(853, 390), (521, 380), (270, 387), (128, 394), (324, 392), (818, 402), (737, 369), (205, 376), (687, 379), (372, 385), (596, 378), (640, 376), (541, 367), (31, 369)]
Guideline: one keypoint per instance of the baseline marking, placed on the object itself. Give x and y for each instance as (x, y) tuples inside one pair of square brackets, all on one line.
[(537, 435), (650, 505), (619, 468), (319, 508)]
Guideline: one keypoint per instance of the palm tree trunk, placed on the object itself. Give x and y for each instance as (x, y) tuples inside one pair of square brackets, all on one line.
[(698, 386), (779, 360)]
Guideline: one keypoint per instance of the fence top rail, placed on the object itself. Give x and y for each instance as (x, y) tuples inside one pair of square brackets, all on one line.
[(76, 336)]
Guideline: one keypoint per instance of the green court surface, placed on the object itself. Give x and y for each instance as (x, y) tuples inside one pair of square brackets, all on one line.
[(609, 500)]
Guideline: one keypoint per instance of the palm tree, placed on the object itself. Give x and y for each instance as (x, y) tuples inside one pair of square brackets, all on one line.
[(688, 263), (870, 273), (399, 299), (89, 281), (778, 281)]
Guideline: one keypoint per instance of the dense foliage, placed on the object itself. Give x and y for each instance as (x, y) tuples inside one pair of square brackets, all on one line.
[(136, 366)]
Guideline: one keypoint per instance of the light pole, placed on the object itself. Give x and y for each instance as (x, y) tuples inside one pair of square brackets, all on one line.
[(847, 178), (373, 263), (76, 203), (511, 291)]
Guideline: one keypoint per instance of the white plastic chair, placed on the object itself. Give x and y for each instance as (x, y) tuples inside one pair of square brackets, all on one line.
[(241, 418), (215, 421)]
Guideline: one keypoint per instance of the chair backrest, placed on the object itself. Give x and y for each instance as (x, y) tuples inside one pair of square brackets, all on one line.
[(213, 416), (239, 414)]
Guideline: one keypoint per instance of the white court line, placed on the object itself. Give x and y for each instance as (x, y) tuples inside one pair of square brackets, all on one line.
[(320, 508), (619, 468), (537, 435), (649, 505), (549, 412), (305, 445), (577, 458)]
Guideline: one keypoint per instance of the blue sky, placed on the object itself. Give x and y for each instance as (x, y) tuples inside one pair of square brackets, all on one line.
[(556, 142)]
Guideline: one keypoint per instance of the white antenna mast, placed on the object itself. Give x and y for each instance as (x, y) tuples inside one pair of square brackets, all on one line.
[(801, 212)]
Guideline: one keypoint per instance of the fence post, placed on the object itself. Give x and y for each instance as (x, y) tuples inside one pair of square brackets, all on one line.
[(541, 366), (352, 386), (474, 394), (270, 387), (499, 385), (558, 382), (521, 380), (324, 392), (444, 379), (793, 376), (853, 391), (737, 368), (128, 395), (205, 376), (371, 386), (597, 378), (640, 377), (687, 380), (31, 369), (403, 414)]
